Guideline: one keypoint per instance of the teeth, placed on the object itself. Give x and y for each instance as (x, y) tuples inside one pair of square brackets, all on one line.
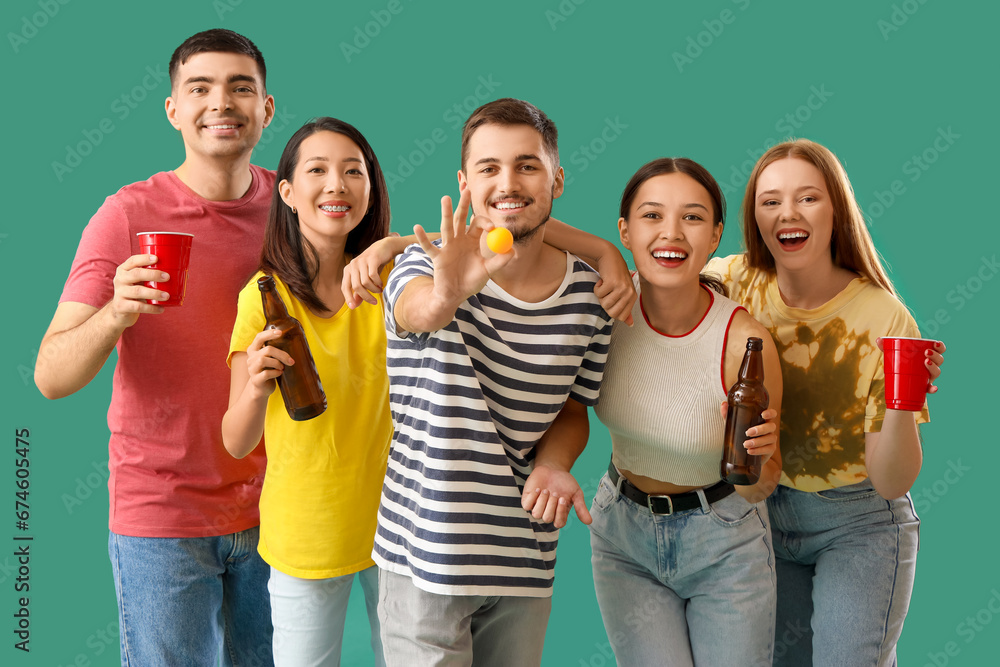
[(335, 209), (792, 235), (506, 206), (222, 127), (669, 254)]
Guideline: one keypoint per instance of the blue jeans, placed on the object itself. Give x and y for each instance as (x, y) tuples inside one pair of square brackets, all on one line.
[(192, 601), (691, 588), (421, 628), (846, 560), (309, 616)]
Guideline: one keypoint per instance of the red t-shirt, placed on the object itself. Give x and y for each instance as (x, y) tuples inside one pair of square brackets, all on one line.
[(170, 474)]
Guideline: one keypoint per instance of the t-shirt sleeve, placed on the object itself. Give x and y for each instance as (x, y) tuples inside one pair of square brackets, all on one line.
[(903, 326), (414, 262), (104, 246), (250, 319), (728, 269)]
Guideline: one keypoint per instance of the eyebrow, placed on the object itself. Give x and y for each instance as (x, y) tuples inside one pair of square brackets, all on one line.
[(519, 158), (232, 79), (659, 205), (324, 159), (804, 187)]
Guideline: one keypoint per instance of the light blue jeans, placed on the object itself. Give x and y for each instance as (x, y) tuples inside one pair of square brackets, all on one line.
[(846, 559), (423, 629), (309, 617), (690, 588), (192, 601)]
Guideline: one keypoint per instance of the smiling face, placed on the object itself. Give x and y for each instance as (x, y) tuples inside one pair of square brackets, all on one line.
[(330, 187), (219, 105), (512, 178), (794, 214), (670, 230)]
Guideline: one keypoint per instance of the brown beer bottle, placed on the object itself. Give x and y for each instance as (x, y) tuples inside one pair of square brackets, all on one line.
[(747, 400), (299, 384)]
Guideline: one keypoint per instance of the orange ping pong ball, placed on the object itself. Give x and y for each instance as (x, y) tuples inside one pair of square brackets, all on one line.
[(500, 240)]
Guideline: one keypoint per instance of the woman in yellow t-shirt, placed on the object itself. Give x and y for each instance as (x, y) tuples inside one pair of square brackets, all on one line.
[(844, 529), (321, 488)]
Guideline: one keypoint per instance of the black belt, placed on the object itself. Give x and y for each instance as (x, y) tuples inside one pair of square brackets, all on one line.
[(678, 502)]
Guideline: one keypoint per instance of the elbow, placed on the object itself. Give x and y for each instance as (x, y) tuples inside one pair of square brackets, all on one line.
[(892, 491), (48, 386)]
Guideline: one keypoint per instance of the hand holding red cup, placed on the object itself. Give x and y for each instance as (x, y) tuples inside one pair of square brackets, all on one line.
[(173, 255), (907, 376)]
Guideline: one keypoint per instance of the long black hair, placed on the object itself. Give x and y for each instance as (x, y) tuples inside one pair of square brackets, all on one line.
[(289, 255)]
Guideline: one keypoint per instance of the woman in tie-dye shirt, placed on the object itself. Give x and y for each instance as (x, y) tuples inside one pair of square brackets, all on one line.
[(844, 529)]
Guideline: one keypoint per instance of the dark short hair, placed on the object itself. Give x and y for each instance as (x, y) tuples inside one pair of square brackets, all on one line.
[(510, 111), (289, 255), (217, 40), (688, 167)]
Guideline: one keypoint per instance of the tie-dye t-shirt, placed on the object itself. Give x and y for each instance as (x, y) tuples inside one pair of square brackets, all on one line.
[(831, 371)]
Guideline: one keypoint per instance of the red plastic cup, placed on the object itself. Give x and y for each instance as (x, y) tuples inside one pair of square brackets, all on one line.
[(173, 254), (906, 376)]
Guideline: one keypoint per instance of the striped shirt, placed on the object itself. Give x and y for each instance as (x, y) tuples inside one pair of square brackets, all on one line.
[(469, 403)]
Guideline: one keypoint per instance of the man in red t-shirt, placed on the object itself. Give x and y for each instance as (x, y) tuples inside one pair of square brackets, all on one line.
[(183, 522)]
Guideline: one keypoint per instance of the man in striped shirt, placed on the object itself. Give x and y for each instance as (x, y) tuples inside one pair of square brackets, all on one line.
[(492, 361)]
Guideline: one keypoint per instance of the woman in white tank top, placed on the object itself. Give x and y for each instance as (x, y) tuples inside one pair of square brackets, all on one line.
[(683, 565)]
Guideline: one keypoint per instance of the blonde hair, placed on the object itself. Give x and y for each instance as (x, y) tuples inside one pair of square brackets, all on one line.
[(851, 245)]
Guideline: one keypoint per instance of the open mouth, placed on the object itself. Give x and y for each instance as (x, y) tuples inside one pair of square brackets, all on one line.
[(669, 258), (335, 210), (793, 240), (509, 206), (223, 129)]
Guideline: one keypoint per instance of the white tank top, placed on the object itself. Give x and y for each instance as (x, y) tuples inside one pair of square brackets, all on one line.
[(661, 394)]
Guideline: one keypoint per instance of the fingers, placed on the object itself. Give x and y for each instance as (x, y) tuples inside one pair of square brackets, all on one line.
[(461, 212), (131, 294), (447, 217), (425, 241), (361, 281), (724, 407), (550, 507), (269, 355), (617, 301), (580, 505)]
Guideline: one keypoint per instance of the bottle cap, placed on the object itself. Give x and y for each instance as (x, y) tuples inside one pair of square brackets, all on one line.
[(755, 344)]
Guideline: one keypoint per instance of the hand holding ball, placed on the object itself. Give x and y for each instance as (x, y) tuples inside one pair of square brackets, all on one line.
[(499, 240)]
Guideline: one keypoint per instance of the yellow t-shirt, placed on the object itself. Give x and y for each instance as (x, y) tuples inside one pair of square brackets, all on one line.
[(831, 367), (324, 476)]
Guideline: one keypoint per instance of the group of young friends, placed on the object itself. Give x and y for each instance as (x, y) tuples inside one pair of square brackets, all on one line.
[(458, 382)]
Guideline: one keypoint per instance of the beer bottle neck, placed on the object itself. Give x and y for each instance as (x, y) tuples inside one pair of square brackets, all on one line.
[(274, 307), (752, 368)]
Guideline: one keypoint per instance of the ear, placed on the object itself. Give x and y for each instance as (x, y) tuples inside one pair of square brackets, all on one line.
[(268, 110), (462, 181), (623, 233), (560, 184), (171, 108), (285, 190), (716, 237)]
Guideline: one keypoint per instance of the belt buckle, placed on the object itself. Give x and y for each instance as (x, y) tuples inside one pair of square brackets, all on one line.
[(670, 505)]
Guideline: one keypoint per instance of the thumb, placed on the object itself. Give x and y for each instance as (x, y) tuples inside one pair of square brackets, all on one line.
[(580, 506)]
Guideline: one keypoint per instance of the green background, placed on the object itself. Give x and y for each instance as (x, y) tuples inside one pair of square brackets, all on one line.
[(884, 79)]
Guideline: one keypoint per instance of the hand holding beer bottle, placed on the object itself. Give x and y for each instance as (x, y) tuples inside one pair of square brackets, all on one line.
[(299, 383), (748, 398)]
